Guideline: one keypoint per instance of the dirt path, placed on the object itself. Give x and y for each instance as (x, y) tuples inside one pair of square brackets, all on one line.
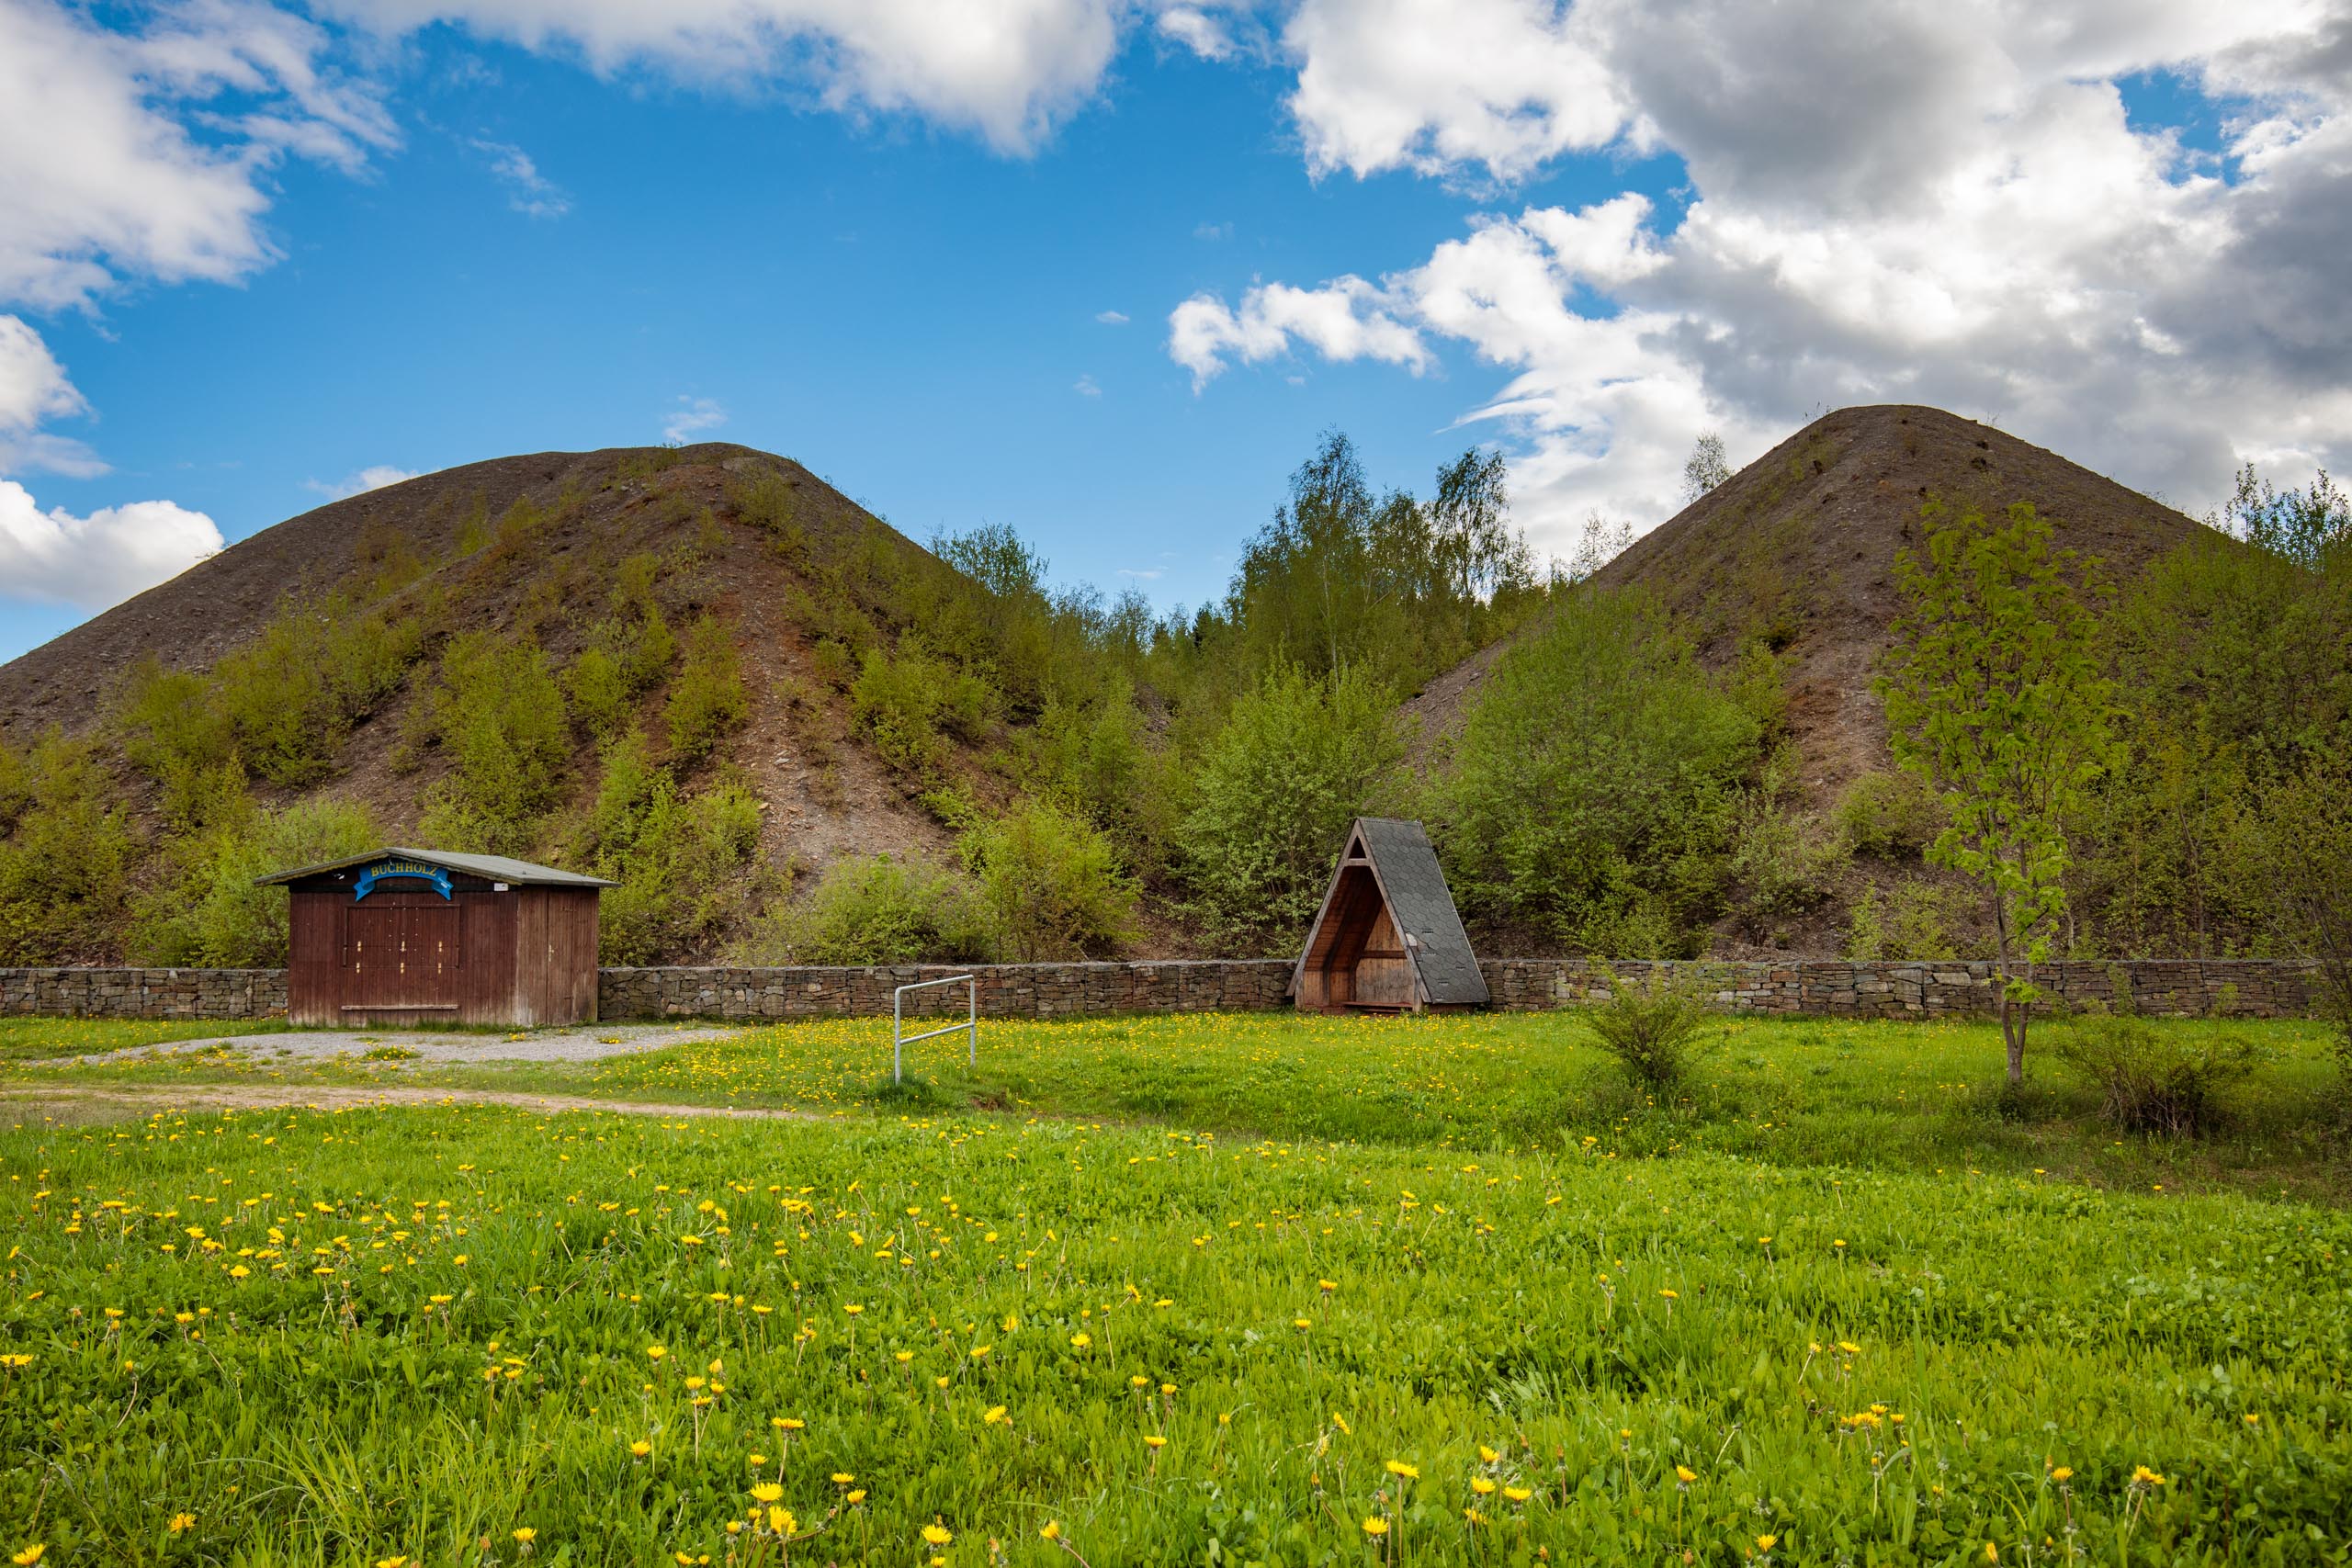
[(60, 1103)]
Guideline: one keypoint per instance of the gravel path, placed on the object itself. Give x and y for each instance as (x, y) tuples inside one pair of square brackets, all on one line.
[(586, 1043), (68, 1106)]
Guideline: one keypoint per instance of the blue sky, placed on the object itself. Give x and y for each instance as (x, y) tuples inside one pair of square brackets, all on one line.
[(1304, 224)]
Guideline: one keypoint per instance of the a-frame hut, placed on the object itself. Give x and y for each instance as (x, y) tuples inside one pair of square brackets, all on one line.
[(1388, 938)]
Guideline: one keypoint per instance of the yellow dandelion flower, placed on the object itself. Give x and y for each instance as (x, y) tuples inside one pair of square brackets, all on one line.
[(1685, 1474), (1375, 1527), (1398, 1467), (1483, 1485), (179, 1522), (524, 1535), (1051, 1529), (767, 1492), (1766, 1542), (640, 1448), (937, 1535), (33, 1554), (1517, 1494)]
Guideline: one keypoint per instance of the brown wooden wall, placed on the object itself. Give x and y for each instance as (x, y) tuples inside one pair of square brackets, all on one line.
[(522, 957), (1357, 958)]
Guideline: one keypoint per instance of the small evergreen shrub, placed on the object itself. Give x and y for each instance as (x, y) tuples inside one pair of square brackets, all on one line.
[(1654, 1027), (2168, 1082)]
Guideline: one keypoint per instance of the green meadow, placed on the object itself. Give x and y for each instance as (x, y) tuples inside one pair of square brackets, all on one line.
[(1177, 1291)]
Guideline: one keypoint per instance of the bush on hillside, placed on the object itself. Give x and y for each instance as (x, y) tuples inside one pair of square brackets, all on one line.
[(2169, 1082), (1654, 1027), (877, 909), (686, 866), (498, 715), (1296, 761), (211, 916), (1784, 862), (1050, 885), (1894, 816), (1593, 774), (908, 702), (65, 851), (707, 700)]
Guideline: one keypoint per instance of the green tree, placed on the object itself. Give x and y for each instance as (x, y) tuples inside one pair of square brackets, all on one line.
[(212, 915), (1591, 783), (1297, 760), (1993, 691), (500, 719), (708, 699)]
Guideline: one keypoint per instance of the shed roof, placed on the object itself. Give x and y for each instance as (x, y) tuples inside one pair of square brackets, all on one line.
[(492, 868), (1404, 863)]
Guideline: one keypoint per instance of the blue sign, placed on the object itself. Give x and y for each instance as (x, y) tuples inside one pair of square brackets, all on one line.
[(389, 868)]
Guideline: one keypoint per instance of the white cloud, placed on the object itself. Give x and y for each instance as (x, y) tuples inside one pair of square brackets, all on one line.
[(1112, 318), (691, 416), (1345, 319), (1085, 388), (1940, 203), (1009, 69), (100, 175), (1211, 232), (375, 477), (1143, 573), (528, 191), (1197, 30), (33, 388), (1434, 85), (100, 559)]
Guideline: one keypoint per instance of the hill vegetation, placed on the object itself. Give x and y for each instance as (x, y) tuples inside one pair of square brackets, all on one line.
[(792, 734)]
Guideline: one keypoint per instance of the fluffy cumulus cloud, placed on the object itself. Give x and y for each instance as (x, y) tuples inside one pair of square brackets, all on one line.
[(100, 559), (1940, 202), (1008, 70), (375, 476), (139, 155)]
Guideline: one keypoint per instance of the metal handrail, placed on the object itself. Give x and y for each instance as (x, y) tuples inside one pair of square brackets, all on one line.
[(900, 1039)]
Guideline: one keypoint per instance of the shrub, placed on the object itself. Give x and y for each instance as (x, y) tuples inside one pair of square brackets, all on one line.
[(212, 915), (1050, 885), (877, 909), (1297, 760), (64, 860), (2163, 1081), (1593, 768), (1908, 925), (175, 733), (1894, 816), (708, 699), (1784, 864), (293, 693), (681, 862), (906, 701), (498, 715), (1653, 1027), (598, 690)]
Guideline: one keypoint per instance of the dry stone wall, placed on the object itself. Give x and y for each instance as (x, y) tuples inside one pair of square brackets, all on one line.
[(143, 993), (2165, 987)]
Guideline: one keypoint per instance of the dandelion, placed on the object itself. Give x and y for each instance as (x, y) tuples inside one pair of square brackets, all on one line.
[(1991, 1553), (655, 1351), (1487, 1455), (2143, 1477), (842, 1478), (524, 1536), (1300, 1323), (857, 1496), (780, 1522), (640, 1448), (33, 1554), (1051, 1529), (1483, 1485), (1375, 1527), (1081, 1341), (1766, 1542), (1403, 1472), (1155, 1442), (179, 1522), (767, 1492), (937, 1535), (1684, 1476), (1517, 1494)]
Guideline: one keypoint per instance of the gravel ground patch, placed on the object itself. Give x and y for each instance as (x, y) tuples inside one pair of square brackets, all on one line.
[(584, 1043)]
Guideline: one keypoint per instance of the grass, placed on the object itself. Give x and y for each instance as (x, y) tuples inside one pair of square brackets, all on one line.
[(342, 1338), (1895, 1095)]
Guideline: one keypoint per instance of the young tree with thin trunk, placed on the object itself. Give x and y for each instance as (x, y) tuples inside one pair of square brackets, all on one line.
[(1993, 691)]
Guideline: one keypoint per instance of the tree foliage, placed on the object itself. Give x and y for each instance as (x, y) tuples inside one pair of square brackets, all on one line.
[(1589, 793), (1993, 691)]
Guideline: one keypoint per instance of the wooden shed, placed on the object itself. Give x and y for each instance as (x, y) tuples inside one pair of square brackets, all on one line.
[(1388, 938), (414, 936)]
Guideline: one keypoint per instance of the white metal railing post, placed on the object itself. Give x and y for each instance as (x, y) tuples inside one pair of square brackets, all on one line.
[(900, 1039)]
